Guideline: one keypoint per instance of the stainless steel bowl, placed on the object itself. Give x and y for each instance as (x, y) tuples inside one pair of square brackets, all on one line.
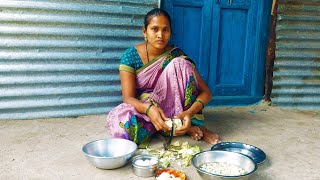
[(237, 159), (146, 170), (109, 153)]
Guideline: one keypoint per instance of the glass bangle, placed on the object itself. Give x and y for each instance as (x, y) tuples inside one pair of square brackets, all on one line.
[(148, 108), (198, 100)]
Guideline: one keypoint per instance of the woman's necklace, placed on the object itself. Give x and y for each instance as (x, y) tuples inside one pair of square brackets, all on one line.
[(147, 51)]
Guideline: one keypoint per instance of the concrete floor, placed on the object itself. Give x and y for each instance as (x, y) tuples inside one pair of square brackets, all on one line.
[(51, 148)]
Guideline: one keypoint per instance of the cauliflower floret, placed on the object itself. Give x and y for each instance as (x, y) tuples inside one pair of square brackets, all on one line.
[(176, 122)]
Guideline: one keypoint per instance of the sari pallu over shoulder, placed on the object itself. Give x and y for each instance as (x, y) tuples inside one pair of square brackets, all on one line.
[(148, 75)]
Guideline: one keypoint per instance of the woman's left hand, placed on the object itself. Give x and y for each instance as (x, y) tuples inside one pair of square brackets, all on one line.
[(185, 116)]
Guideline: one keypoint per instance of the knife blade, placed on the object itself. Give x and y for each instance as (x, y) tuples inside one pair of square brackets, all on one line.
[(167, 143)]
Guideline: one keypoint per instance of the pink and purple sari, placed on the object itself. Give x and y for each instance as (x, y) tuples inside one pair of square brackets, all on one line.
[(169, 82)]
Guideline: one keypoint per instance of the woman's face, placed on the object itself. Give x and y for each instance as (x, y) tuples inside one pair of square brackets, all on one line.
[(158, 32)]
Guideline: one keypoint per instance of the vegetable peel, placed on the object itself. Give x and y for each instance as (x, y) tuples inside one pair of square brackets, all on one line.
[(183, 152)]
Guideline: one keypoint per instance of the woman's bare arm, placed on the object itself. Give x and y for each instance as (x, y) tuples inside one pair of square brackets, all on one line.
[(128, 84)]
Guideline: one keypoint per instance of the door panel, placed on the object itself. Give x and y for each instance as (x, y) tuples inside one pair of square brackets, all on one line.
[(233, 42), (191, 30), (231, 34)]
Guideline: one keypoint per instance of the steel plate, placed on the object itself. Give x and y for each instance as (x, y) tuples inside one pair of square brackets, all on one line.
[(255, 153)]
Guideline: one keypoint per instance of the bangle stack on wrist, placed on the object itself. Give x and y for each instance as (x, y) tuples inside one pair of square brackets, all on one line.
[(148, 108)]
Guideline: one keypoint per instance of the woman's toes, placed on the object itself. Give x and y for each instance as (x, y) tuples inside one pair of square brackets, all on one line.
[(196, 133), (197, 137)]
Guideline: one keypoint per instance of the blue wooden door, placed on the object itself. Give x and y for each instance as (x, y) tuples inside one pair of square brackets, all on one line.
[(224, 39)]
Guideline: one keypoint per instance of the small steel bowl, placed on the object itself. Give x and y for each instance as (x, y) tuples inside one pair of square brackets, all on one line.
[(233, 158), (109, 153), (144, 170)]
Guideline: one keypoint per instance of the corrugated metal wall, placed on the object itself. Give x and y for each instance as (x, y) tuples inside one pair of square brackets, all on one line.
[(60, 58), (296, 82)]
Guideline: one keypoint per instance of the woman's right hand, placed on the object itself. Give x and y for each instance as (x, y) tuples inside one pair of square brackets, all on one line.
[(157, 117)]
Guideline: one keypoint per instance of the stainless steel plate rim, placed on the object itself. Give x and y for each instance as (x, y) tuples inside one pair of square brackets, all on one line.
[(258, 155)]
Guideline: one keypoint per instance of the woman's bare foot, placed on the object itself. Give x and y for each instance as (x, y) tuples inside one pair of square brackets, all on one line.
[(209, 136), (195, 133)]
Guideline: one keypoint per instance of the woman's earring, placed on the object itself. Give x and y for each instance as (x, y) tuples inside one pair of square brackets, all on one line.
[(145, 38)]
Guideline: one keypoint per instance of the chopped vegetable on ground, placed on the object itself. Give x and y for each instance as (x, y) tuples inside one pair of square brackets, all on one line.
[(182, 153)]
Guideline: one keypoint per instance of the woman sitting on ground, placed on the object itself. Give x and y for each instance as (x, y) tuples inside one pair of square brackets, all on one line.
[(159, 82)]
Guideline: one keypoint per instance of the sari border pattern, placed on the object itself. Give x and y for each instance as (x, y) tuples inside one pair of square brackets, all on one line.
[(126, 68), (152, 61)]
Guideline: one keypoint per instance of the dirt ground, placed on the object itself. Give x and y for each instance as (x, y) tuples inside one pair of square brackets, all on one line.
[(51, 148)]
